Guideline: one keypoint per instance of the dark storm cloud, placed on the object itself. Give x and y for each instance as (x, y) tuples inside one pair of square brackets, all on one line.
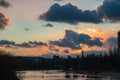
[(4, 3), (29, 44), (70, 14), (4, 21), (48, 25), (108, 11), (73, 40), (112, 41)]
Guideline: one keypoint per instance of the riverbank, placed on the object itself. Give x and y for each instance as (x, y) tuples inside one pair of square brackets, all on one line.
[(110, 74)]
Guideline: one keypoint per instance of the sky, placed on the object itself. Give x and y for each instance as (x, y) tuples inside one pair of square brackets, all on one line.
[(63, 27)]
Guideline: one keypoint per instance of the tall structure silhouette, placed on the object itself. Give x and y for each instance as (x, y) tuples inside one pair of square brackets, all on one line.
[(119, 40), (118, 51)]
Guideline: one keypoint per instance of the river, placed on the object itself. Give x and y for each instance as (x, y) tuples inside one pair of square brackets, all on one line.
[(58, 75)]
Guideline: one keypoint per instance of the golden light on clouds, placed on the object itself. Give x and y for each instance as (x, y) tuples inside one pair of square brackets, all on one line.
[(78, 52), (97, 31), (35, 51)]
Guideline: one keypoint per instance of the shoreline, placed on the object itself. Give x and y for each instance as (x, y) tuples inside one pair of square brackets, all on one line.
[(110, 74)]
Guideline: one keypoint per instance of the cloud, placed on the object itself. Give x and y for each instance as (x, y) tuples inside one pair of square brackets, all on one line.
[(25, 44), (58, 0), (48, 25), (6, 42), (66, 51), (109, 11), (4, 21), (112, 41), (4, 3), (29, 44), (70, 14), (53, 48), (26, 29), (73, 40)]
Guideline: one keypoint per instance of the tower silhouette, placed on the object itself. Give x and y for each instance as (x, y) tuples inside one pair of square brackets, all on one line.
[(118, 51), (119, 40)]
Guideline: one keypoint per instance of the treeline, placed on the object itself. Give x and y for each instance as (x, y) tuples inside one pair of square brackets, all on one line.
[(84, 63), (7, 67), (89, 63)]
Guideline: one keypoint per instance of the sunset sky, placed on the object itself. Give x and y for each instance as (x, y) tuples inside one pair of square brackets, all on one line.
[(64, 27)]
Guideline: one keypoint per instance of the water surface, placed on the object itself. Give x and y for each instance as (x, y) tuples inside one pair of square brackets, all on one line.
[(59, 75)]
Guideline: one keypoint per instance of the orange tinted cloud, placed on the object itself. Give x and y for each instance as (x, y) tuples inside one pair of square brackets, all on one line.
[(4, 21)]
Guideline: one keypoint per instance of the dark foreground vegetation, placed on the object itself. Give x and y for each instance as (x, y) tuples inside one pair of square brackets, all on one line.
[(81, 64), (90, 63), (7, 67)]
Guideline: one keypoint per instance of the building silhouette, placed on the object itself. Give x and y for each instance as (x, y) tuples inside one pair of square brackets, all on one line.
[(118, 51), (119, 40)]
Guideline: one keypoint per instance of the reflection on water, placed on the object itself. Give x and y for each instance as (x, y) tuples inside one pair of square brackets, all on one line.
[(58, 75)]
